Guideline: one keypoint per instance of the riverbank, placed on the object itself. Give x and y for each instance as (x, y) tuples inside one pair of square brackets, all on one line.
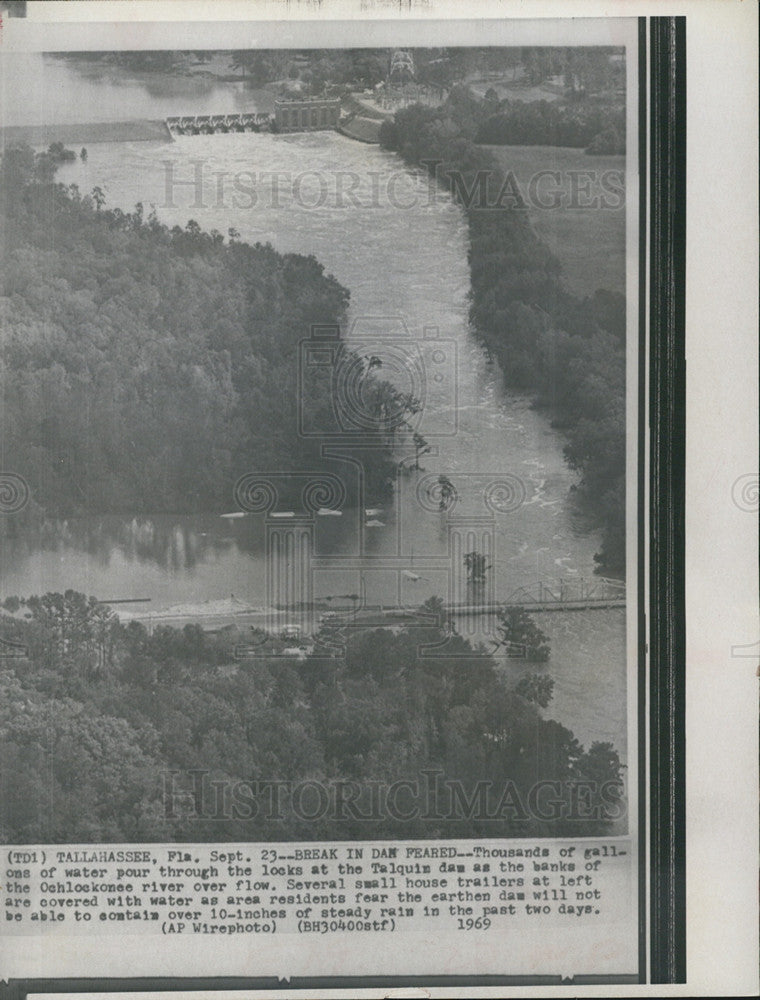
[(74, 134), (569, 351), (362, 130)]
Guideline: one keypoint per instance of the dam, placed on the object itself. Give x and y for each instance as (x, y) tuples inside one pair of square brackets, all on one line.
[(306, 115), (83, 133)]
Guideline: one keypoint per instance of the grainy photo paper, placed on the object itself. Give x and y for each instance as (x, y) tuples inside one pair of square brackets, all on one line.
[(321, 482)]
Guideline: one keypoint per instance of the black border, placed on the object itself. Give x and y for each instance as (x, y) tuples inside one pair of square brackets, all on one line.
[(641, 540), (667, 414), (662, 104)]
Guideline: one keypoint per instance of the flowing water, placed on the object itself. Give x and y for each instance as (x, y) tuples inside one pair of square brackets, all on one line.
[(400, 246)]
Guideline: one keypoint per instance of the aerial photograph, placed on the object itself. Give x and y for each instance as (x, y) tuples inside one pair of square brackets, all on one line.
[(313, 445)]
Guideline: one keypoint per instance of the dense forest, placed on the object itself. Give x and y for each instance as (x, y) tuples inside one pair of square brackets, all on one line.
[(110, 734), (586, 110), (145, 369), (598, 130), (579, 72), (569, 352)]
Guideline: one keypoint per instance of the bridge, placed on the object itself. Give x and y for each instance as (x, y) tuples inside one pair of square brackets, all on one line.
[(247, 121), (490, 609), (564, 595), (598, 594)]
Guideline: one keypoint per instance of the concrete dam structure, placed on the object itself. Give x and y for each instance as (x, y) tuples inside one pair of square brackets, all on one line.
[(84, 133), (290, 115), (251, 121), (306, 114)]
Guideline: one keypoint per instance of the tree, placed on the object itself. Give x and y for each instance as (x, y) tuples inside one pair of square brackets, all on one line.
[(606, 143), (601, 763), (16, 172), (70, 772), (367, 69), (521, 637), (438, 73), (241, 59), (59, 154), (421, 447), (475, 564), (261, 66), (435, 609), (600, 771), (80, 631), (537, 688)]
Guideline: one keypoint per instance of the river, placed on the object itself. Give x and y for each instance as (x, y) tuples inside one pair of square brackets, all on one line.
[(401, 248)]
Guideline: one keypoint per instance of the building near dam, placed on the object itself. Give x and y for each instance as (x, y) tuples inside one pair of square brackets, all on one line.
[(306, 114)]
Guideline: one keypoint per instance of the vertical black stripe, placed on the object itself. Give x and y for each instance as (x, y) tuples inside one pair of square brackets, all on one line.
[(641, 496), (667, 442)]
